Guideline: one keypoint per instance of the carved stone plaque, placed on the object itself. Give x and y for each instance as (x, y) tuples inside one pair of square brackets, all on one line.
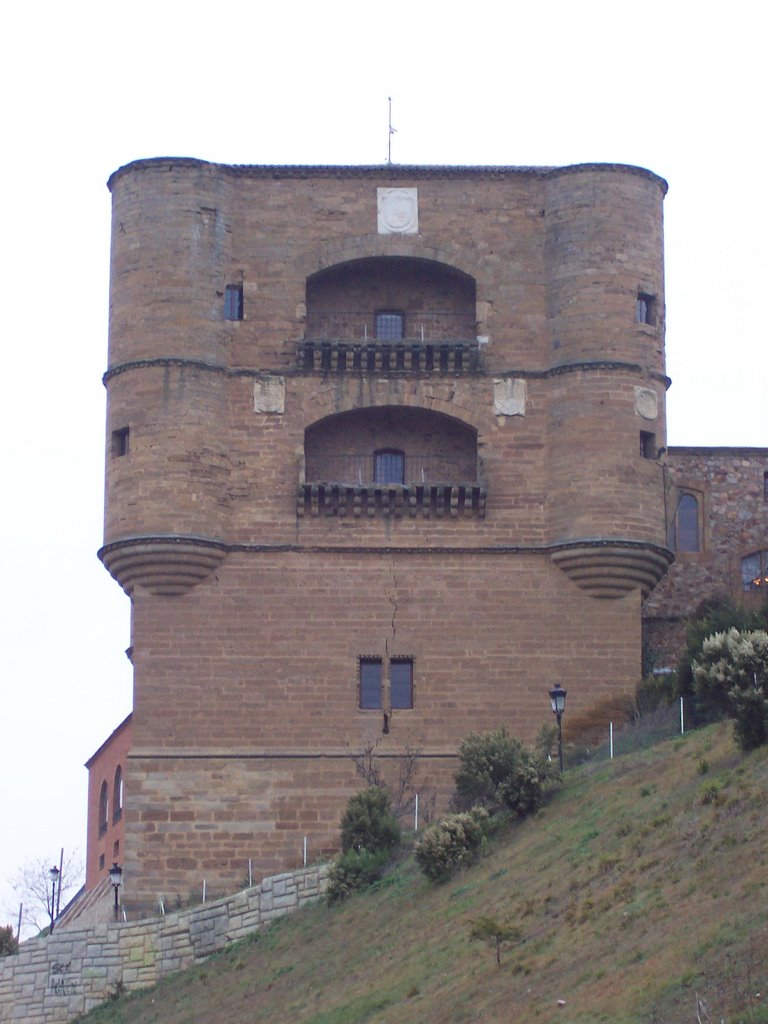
[(509, 394), (646, 403), (269, 394), (398, 210)]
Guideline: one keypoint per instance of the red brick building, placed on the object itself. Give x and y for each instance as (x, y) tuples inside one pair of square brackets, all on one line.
[(106, 824), (383, 466)]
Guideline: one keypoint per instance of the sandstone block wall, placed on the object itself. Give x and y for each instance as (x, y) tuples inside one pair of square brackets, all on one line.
[(56, 979)]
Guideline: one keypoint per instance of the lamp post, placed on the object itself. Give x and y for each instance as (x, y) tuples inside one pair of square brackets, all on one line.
[(116, 877), (557, 696), (53, 874)]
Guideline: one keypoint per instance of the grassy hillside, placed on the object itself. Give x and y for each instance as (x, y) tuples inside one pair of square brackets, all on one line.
[(641, 885)]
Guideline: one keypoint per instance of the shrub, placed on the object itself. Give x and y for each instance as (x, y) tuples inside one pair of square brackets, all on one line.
[(452, 843), (730, 674), (355, 870), (368, 822), (9, 944), (497, 771)]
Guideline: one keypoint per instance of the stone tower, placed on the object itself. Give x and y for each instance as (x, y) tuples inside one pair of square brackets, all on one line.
[(382, 466)]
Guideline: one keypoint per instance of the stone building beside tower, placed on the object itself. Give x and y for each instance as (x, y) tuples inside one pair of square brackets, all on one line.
[(385, 462)]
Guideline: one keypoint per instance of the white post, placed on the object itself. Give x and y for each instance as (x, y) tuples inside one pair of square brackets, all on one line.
[(203, 890), (416, 814), (682, 717), (250, 873), (422, 334), (305, 851), (365, 332), (611, 739)]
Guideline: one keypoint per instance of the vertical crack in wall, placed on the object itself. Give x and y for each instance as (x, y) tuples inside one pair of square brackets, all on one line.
[(393, 602)]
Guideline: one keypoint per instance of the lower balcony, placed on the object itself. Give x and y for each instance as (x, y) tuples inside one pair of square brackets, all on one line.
[(436, 500), (389, 357)]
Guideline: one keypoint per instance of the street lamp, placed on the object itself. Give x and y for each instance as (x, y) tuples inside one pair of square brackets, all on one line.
[(53, 874), (557, 696), (116, 877)]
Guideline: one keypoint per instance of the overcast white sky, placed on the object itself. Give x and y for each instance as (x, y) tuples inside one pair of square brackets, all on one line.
[(88, 87)]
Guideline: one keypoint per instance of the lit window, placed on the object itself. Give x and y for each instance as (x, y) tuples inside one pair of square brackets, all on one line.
[(117, 795), (648, 448), (686, 526), (401, 683), (646, 309), (370, 683), (103, 808), (120, 442), (389, 466), (233, 302), (390, 325), (754, 571)]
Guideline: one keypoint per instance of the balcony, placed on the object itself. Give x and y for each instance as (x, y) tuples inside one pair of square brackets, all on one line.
[(429, 486), (344, 342)]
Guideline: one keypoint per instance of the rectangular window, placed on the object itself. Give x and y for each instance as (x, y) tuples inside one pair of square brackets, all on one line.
[(233, 302), (120, 442), (389, 325), (401, 682), (389, 467), (646, 309), (370, 684), (648, 448)]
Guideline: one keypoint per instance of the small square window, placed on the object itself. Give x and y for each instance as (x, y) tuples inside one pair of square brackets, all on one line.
[(646, 309), (648, 448), (120, 442), (401, 682), (370, 684), (390, 325), (233, 302)]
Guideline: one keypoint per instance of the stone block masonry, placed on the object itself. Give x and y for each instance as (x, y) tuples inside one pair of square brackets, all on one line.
[(56, 979)]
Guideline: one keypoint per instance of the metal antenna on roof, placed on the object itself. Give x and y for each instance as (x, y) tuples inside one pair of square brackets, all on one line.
[(391, 132)]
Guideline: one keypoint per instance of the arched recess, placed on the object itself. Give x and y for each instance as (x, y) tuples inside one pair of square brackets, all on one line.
[(117, 795), (436, 448), (390, 299)]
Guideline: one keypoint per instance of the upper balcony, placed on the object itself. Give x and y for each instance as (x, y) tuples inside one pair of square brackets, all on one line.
[(390, 315)]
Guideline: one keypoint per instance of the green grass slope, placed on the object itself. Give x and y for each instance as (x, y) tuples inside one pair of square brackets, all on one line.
[(640, 888)]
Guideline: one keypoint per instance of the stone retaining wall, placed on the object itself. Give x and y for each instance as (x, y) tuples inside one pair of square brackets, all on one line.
[(56, 979)]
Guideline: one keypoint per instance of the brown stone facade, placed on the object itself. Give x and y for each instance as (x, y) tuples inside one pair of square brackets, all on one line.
[(721, 550), (369, 414)]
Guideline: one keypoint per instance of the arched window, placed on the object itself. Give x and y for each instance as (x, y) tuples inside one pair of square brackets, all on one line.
[(687, 524), (754, 571), (117, 795), (103, 808), (389, 466)]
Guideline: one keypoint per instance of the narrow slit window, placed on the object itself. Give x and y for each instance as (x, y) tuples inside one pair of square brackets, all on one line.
[(648, 448), (765, 486), (117, 795), (120, 442), (103, 808), (389, 325), (389, 466), (233, 302), (646, 309), (370, 684), (401, 682)]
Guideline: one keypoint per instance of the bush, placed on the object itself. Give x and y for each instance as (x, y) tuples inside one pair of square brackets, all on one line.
[(730, 674), (9, 944), (497, 771), (451, 844), (355, 870), (368, 822)]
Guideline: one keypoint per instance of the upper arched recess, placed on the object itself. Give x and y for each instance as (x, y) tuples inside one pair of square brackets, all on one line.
[(391, 298)]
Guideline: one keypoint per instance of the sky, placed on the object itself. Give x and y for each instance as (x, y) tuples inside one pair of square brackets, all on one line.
[(88, 87)]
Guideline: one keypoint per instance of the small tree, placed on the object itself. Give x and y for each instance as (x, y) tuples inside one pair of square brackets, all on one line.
[(497, 771), (731, 674), (9, 944), (495, 934), (32, 887), (368, 822)]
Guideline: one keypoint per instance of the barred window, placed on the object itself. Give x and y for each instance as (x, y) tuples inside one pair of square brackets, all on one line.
[(370, 684), (389, 325), (233, 302), (389, 466)]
